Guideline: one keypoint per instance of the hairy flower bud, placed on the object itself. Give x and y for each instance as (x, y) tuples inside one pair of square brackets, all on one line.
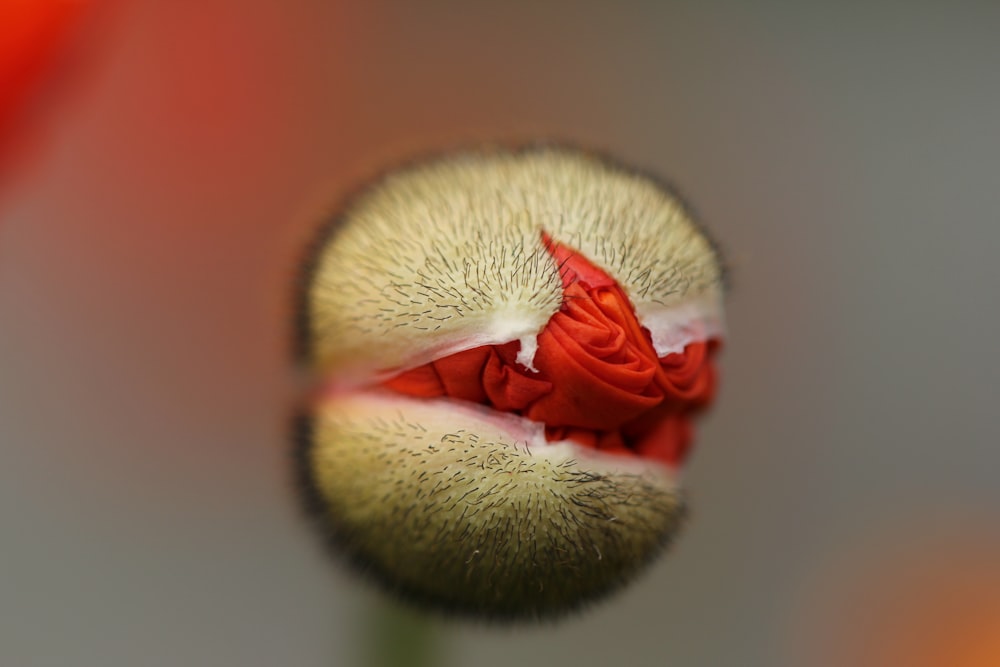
[(510, 348)]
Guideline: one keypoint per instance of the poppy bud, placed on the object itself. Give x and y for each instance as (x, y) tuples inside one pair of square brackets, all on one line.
[(510, 349)]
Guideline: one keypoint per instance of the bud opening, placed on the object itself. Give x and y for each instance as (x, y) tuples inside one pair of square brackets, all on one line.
[(594, 377)]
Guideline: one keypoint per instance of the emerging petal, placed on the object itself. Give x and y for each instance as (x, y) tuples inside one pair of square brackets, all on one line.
[(596, 378)]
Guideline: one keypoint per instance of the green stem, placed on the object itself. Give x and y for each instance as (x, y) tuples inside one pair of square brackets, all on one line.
[(399, 637)]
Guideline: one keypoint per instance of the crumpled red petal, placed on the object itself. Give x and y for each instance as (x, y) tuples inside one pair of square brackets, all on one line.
[(598, 380)]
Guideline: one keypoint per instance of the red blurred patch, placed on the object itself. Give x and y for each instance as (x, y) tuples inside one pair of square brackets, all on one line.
[(33, 34), (599, 381)]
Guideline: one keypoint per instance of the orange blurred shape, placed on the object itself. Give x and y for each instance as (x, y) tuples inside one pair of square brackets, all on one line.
[(945, 618), (944, 612), (932, 601), (33, 35)]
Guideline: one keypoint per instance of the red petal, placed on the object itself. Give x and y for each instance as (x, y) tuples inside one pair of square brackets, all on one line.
[(598, 380)]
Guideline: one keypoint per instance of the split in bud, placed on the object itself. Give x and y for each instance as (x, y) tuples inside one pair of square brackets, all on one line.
[(593, 377)]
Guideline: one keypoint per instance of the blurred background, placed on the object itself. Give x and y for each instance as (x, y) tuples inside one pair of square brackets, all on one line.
[(161, 176)]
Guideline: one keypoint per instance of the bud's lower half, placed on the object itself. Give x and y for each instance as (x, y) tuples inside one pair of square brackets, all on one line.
[(509, 352)]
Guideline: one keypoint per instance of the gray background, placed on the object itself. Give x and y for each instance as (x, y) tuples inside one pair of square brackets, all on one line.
[(848, 161)]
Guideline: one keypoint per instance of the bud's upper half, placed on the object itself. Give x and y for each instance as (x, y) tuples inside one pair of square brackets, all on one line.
[(509, 350)]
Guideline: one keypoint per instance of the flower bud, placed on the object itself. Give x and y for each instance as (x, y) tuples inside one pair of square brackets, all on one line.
[(509, 351)]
